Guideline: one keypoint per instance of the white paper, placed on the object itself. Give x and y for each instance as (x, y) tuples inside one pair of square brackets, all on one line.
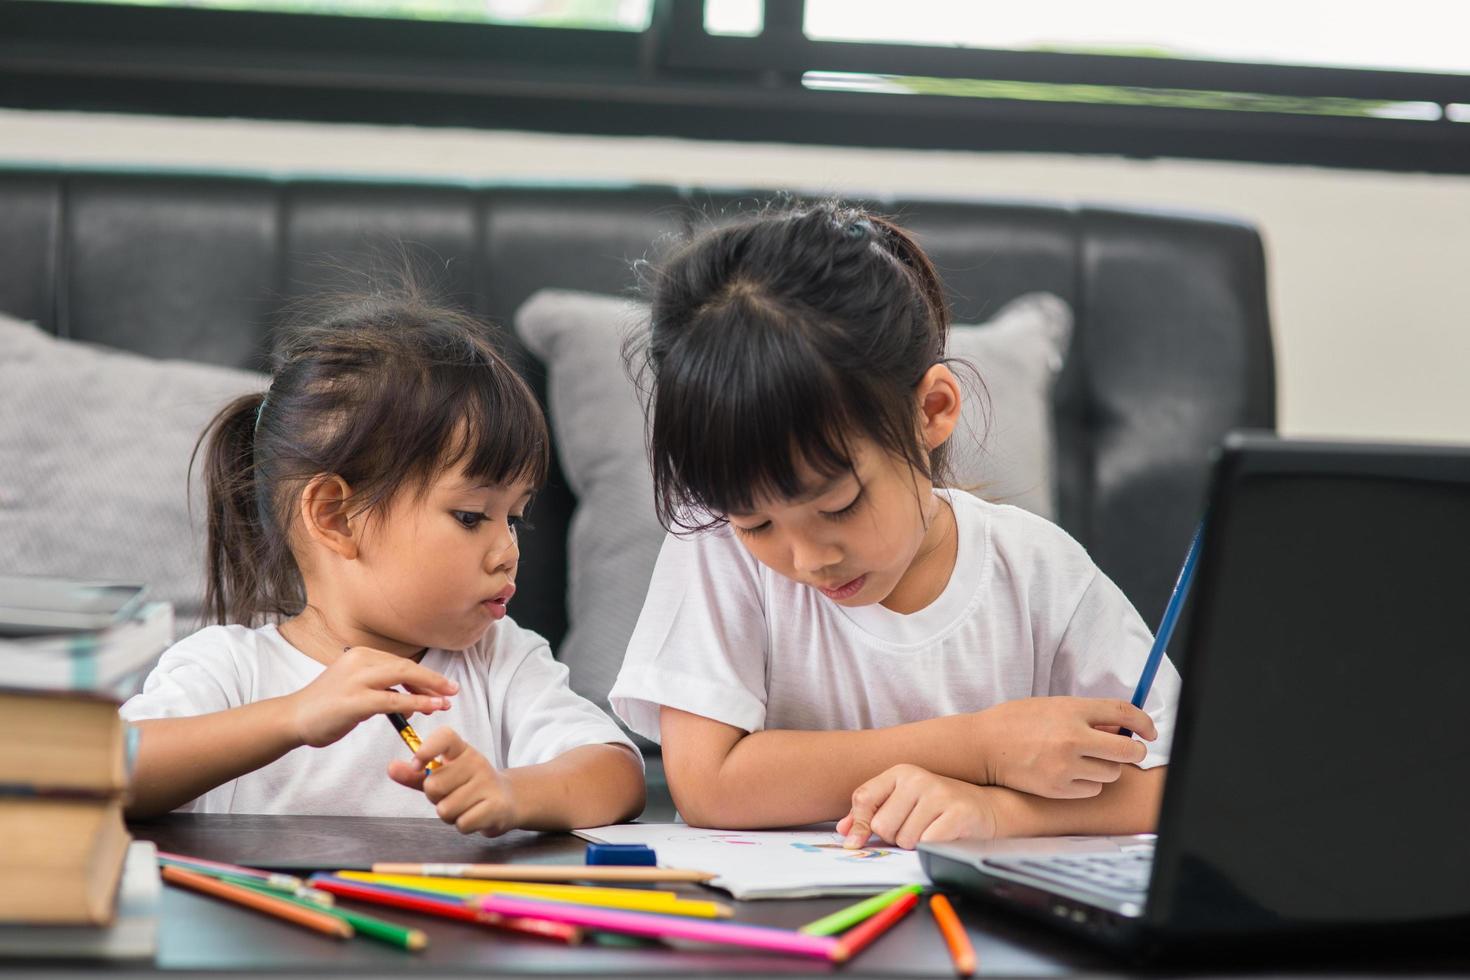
[(771, 863)]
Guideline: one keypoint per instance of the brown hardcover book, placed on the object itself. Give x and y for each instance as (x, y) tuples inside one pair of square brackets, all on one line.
[(62, 858), (62, 743)]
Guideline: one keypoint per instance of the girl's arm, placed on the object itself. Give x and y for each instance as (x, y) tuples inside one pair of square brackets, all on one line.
[(722, 776), (1128, 806), (587, 786), (907, 806), (181, 758)]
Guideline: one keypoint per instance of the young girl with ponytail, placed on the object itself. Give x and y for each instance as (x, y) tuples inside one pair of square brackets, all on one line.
[(362, 517)]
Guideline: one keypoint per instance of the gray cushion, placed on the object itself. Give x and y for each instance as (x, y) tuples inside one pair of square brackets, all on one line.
[(598, 427), (94, 451), (1005, 447)]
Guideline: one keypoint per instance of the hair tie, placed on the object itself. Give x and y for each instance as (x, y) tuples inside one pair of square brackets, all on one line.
[(260, 408)]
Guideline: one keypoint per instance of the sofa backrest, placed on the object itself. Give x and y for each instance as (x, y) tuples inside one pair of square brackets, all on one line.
[(1171, 348)]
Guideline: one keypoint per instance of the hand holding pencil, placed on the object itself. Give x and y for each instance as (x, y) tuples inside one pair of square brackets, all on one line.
[(466, 790), (358, 685)]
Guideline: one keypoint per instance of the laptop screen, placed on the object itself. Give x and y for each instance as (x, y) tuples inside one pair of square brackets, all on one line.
[(1321, 767)]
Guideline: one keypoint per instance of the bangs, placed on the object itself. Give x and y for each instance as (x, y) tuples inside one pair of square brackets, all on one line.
[(747, 409), (496, 431)]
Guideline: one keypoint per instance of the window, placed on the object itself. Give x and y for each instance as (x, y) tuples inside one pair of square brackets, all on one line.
[(616, 15), (1407, 35), (1384, 86)]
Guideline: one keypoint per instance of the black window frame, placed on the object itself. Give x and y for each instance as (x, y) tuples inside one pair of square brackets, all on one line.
[(674, 79)]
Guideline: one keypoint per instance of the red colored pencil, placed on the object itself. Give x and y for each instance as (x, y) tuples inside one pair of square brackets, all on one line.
[(401, 898), (856, 939)]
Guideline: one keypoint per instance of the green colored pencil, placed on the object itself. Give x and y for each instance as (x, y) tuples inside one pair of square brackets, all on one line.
[(307, 894), (366, 925), (830, 925)]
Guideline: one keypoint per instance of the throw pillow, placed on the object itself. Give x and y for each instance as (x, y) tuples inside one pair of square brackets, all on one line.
[(94, 452)]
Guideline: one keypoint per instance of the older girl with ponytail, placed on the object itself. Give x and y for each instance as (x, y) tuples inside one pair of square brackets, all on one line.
[(830, 633)]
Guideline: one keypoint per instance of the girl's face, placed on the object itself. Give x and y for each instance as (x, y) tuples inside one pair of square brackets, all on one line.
[(875, 534), (438, 569)]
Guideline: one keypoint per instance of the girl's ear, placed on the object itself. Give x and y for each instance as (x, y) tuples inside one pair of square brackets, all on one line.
[(325, 517), (938, 395)]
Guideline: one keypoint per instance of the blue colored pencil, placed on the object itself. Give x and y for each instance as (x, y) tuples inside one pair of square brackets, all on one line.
[(1166, 626)]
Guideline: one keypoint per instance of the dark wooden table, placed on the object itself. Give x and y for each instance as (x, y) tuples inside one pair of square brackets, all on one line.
[(199, 933)]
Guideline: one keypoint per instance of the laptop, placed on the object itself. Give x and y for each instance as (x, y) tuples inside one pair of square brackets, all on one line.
[(1319, 779)]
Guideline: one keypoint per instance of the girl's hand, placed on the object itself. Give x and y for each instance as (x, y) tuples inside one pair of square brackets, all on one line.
[(358, 685), (466, 789), (905, 805), (1062, 747)]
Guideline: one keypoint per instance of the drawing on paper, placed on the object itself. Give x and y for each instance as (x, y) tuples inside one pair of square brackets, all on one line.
[(856, 854)]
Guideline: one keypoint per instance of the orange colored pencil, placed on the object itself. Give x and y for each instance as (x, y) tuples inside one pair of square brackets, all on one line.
[(960, 949), (856, 939), (307, 918)]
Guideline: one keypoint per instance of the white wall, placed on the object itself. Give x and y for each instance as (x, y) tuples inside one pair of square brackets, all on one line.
[(1370, 272)]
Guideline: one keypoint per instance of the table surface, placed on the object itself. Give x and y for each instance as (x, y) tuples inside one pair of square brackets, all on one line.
[(197, 933)]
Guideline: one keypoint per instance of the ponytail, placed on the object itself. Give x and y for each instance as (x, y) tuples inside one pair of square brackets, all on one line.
[(246, 572)]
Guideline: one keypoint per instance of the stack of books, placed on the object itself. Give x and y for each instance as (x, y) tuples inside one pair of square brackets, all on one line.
[(69, 653)]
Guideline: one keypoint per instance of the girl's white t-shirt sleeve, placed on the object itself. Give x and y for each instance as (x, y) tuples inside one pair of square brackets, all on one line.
[(196, 676), (700, 642), (1101, 655), (541, 717)]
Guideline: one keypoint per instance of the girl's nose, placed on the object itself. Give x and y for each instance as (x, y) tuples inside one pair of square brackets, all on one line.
[(808, 556), (505, 554)]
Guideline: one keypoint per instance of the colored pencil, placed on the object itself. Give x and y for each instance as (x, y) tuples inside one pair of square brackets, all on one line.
[(955, 938), (546, 872), (636, 900), (401, 898), (1167, 624), (847, 918), (293, 912), (365, 925), (219, 867), (411, 738), (856, 940), (667, 926)]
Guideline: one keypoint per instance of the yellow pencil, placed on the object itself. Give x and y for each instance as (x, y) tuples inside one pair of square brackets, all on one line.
[(641, 900), (547, 872)]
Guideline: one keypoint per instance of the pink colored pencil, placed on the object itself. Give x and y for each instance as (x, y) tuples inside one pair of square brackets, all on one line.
[(666, 926), (193, 863)]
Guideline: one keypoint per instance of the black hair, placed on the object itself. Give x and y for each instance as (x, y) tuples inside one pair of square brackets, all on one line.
[(776, 340), (385, 390)]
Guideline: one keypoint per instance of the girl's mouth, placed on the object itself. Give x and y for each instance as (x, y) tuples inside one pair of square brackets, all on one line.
[(845, 591), (496, 604)]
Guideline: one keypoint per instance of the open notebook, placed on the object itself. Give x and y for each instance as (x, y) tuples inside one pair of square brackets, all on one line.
[(770, 863)]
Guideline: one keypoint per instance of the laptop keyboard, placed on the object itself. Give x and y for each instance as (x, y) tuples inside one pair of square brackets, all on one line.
[(1122, 873)]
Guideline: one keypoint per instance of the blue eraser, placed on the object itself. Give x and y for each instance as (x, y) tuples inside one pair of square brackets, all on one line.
[(635, 854)]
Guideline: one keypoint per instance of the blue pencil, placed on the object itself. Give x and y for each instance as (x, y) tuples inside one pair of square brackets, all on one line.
[(1166, 626)]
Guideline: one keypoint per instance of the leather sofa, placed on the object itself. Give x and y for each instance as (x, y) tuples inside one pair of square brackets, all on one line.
[(1172, 343)]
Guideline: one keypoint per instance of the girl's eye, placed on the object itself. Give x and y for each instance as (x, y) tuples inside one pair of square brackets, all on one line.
[(518, 523), (848, 511), (469, 519), (751, 532)]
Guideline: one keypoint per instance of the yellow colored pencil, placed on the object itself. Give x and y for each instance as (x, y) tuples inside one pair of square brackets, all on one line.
[(547, 872), (639, 900)]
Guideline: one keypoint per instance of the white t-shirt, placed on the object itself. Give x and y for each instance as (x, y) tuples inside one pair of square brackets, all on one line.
[(513, 705), (1025, 613)]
